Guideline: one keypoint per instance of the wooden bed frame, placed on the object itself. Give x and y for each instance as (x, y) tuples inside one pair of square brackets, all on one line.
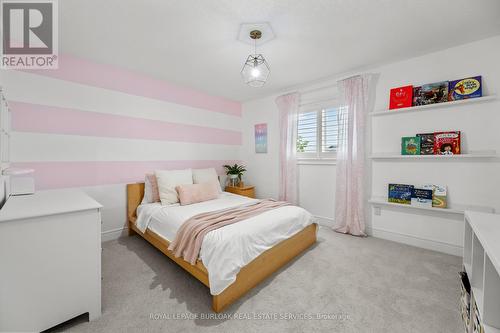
[(248, 277)]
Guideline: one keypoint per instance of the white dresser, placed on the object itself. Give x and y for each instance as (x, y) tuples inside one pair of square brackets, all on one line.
[(50, 259)]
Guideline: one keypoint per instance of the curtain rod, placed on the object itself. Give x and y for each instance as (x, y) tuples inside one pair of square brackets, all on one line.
[(327, 86), (317, 89), (318, 101)]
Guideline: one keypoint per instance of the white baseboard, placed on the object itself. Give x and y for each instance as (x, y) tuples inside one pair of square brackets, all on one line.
[(324, 221), (416, 241), (329, 223), (113, 234)]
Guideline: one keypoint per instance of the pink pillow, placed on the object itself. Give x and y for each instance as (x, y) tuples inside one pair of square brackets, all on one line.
[(193, 193), (155, 193)]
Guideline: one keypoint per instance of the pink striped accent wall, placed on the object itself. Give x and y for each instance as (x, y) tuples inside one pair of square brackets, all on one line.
[(36, 118), (27, 117), (115, 78), (50, 175)]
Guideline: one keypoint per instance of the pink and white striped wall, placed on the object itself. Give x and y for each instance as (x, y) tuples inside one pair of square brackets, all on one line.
[(99, 127)]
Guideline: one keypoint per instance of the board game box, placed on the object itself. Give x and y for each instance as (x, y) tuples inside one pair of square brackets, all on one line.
[(447, 143), (400, 193), (431, 93), (401, 97), (426, 143), (421, 197), (410, 145), (470, 87)]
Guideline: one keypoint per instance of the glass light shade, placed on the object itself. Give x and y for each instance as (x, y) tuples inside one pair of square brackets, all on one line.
[(255, 71)]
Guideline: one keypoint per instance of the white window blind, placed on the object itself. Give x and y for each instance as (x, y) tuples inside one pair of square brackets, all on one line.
[(317, 133), (307, 138), (330, 131)]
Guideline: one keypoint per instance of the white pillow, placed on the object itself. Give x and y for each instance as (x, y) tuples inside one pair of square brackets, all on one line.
[(168, 180), (148, 192), (151, 194), (209, 175)]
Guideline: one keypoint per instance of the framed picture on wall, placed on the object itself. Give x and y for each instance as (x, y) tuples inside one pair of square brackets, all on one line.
[(261, 138)]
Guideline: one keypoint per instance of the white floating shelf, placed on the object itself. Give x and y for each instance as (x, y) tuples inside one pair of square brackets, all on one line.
[(433, 106), (455, 209), (472, 154)]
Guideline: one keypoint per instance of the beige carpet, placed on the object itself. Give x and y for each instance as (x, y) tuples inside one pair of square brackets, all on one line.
[(353, 284)]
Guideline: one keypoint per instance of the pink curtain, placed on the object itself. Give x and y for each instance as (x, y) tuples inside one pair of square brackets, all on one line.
[(288, 106), (356, 97)]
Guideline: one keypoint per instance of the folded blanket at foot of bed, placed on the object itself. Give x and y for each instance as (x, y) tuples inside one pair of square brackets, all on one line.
[(188, 240)]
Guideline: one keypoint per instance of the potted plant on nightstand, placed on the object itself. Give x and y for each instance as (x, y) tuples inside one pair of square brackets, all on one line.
[(234, 173)]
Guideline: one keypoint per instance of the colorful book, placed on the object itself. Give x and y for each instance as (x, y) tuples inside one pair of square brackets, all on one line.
[(400, 193), (426, 143), (410, 145), (432, 93), (401, 97), (421, 197), (417, 98), (447, 143), (439, 195), (470, 87)]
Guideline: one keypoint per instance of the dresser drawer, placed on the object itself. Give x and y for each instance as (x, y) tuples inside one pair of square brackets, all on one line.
[(247, 191)]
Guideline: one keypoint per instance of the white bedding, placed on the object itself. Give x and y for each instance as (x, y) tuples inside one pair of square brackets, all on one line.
[(226, 250)]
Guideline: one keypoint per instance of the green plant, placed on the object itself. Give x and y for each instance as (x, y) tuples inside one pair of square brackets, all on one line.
[(235, 170), (301, 144)]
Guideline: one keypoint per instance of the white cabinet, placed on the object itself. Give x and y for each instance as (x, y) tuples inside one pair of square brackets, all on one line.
[(482, 264), (50, 259)]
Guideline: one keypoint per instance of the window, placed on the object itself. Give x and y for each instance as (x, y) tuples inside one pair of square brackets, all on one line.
[(307, 132), (317, 133)]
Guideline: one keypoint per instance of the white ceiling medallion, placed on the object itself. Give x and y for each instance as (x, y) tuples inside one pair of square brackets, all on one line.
[(255, 71), (264, 27)]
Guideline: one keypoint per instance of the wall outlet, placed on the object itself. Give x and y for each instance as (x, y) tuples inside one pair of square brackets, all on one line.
[(377, 211)]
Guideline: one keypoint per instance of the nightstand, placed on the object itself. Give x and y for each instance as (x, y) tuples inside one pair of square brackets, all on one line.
[(247, 191)]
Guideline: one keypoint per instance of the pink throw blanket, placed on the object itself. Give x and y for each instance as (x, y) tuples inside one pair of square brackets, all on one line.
[(187, 242)]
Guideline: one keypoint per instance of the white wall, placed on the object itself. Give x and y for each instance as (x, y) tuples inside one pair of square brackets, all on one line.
[(3, 179), (470, 182), (263, 169), (316, 181)]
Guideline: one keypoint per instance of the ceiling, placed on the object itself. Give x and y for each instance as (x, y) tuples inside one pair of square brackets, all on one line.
[(194, 42)]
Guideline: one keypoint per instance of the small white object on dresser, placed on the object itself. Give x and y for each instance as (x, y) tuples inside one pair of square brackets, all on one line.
[(50, 259)]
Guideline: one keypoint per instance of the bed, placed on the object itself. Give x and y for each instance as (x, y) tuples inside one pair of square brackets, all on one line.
[(296, 239)]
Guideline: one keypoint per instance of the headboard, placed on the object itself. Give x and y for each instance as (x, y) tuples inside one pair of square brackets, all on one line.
[(135, 193)]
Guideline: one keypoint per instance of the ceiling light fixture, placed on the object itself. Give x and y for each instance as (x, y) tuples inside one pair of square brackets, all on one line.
[(256, 70)]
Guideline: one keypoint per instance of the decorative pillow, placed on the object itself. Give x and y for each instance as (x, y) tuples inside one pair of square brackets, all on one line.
[(205, 176), (151, 193), (190, 194), (167, 181)]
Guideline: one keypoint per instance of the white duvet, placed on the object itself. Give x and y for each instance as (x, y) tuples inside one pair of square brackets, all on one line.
[(226, 250)]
